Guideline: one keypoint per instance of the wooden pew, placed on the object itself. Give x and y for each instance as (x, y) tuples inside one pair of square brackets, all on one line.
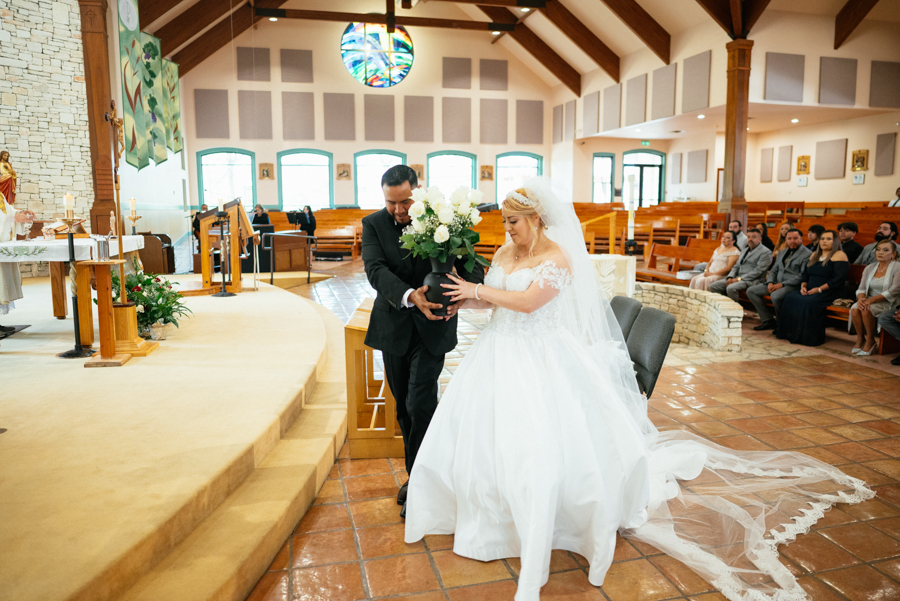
[(666, 273), (337, 240)]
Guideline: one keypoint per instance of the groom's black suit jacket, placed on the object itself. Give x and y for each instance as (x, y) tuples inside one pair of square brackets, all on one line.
[(392, 271)]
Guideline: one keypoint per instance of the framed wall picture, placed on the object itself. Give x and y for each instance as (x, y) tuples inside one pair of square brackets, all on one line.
[(343, 171), (860, 160), (420, 172), (803, 165), (487, 173), (266, 171)]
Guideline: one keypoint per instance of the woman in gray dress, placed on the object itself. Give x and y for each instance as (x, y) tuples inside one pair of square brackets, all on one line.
[(878, 289)]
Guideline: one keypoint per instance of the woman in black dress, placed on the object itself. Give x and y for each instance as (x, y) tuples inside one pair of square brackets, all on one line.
[(261, 217), (763, 230), (308, 221), (802, 318)]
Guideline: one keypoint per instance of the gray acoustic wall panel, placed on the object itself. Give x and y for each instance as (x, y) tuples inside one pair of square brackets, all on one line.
[(493, 74), (557, 123), (837, 80), (831, 159), (696, 166), (785, 163), (255, 115), (885, 145), (695, 82), (298, 116), (675, 168), (340, 116), (590, 120), (636, 100), (418, 118), (663, 103), (456, 120), (457, 73), (612, 107), (569, 121), (296, 66), (884, 90), (253, 64), (211, 113), (379, 116), (529, 121), (494, 121), (784, 76), (766, 158)]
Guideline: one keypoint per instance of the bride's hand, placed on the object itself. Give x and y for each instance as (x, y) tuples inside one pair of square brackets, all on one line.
[(460, 289)]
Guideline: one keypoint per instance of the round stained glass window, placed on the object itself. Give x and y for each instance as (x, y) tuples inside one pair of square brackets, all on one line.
[(375, 57)]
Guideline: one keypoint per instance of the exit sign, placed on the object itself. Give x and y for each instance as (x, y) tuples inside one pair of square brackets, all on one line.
[(645, 142)]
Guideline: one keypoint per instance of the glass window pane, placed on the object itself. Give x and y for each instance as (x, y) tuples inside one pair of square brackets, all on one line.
[(603, 177), (513, 171), (642, 158), (227, 175), (650, 187), (305, 180), (369, 169), (374, 57), (450, 171)]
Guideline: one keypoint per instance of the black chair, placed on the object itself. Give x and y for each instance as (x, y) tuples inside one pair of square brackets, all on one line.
[(626, 310), (648, 342)]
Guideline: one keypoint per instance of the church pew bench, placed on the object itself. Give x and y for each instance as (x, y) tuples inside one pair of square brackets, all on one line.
[(665, 273)]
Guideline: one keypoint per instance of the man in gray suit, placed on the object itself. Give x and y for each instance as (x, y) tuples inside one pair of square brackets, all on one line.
[(749, 270), (890, 322), (784, 277)]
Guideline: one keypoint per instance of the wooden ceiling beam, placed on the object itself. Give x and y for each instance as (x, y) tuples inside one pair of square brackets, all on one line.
[(583, 37), (322, 15), (150, 10), (508, 3), (849, 18), (537, 48), (737, 16), (644, 26), (720, 11), (753, 10), (195, 19)]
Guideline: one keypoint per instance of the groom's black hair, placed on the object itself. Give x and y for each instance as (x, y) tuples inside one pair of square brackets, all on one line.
[(396, 175)]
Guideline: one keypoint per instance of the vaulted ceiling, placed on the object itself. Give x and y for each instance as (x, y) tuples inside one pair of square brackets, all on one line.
[(564, 38)]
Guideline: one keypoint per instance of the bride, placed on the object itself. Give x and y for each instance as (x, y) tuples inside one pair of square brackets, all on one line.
[(541, 440)]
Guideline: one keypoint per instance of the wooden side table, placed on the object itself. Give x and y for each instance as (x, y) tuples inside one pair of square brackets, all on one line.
[(107, 356)]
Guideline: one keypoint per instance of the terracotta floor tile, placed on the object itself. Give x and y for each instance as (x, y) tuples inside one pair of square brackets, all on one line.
[(364, 467), (570, 586), (561, 561), (341, 582), (397, 464), (751, 425), (757, 409), (862, 583), (494, 591), (862, 540), (375, 512), (888, 467), (282, 559), (271, 587), (785, 422), (335, 472), (688, 416), (731, 398), (855, 451), (332, 492), (381, 541), (814, 553), (782, 440), (439, 542), (456, 570), (856, 432), (371, 487), (819, 418), (699, 402), (431, 596), (890, 526), (888, 446), (883, 384), (645, 549), (834, 517), (873, 509), (890, 567), (399, 575), (321, 548), (714, 429), (867, 474), (708, 389), (889, 493), (324, 517), (819, 436), (789, 406), (709, 597), (885, 427), (820, 391), (763, 384), (345, 451), (637, 580), (766, 396), (624, 550), (723, 413), (687, 580), (823, 454), (818, 590), (743, 442), (819, 404), (851, 415)]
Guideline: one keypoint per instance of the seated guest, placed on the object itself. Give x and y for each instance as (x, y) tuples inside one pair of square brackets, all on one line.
[(896, 202), (847, 231), (886, 231), (890, 322), (784, 278), (812, 234), (802, 317), (740, 239), (261, 217), (763, 230), (782, 233), (750, 268), (308, 221), (195, 223), (723, 259), (878, 288)]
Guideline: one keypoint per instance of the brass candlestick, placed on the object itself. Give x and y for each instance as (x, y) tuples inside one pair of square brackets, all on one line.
[(133, 219)]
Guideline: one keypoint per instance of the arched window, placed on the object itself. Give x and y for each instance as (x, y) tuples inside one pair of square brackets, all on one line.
[(513, 168), (649, 170), (450, 169), (305, 178), (227, 173), (369, 166), (604, 184)]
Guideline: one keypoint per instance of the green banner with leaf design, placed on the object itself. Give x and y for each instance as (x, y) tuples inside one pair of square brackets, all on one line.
[(172, 92), (132, 70), (154, 99)]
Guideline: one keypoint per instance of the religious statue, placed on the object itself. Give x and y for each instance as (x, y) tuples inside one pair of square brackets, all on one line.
[(7, 178), (12, 222)]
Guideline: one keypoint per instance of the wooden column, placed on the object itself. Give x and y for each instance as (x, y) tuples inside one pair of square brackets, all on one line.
[(736, 113), (95, 43)]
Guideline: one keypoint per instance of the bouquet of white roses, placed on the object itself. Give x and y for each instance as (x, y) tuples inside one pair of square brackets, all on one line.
[(442, 227)]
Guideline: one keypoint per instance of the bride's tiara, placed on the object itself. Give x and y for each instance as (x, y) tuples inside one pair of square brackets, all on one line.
[(520, 197)]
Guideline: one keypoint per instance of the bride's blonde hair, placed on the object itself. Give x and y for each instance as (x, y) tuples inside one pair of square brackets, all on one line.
[(514, 204)]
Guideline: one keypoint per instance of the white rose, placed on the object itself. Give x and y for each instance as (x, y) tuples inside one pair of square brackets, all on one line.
[(417, 209), (445, 215), (460, 196), (435, 196), (419, 195), (140, 308), (441, 234), (463, 208), (476, 197), (476, 216), (419, 226)]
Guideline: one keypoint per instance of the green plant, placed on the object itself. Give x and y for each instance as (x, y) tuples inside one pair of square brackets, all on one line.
[(156, 300)]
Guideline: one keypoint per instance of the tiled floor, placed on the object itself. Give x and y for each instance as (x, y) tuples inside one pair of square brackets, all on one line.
[(773, 395)]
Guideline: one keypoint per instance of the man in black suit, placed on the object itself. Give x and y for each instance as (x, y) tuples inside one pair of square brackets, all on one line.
[(412, 340)]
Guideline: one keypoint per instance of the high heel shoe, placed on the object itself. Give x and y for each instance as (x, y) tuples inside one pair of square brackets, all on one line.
[(866, 353), (855, 350)]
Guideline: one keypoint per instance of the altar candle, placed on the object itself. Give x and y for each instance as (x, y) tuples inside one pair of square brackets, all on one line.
[(221, 205), (133, 204), (70, 202)]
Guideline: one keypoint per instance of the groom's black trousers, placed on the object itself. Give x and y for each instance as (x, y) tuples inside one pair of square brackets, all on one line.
[(413, 379)]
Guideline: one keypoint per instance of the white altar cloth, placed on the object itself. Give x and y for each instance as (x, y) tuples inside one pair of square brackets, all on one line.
[(21, 251)]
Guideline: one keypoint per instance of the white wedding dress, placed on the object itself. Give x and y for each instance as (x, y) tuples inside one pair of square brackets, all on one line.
[(541, 441)]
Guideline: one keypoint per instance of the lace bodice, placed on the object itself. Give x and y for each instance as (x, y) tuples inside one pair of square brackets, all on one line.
[(543, 320)]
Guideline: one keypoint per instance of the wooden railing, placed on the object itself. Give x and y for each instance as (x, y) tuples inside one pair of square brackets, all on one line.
[(612, 228)]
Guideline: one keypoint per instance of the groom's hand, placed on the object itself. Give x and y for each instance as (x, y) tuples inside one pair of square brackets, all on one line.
[(417, 297), (453, 309)]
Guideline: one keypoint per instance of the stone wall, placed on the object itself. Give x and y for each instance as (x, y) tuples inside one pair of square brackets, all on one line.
[(43, 107), (703, 319)]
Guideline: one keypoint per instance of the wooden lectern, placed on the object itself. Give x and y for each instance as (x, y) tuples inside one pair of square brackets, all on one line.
[(372, 429), (240, 232)]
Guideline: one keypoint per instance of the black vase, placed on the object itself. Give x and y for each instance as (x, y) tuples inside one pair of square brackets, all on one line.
[(433, 280)]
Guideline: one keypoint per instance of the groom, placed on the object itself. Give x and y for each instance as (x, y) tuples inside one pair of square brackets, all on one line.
[(412, 340)]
